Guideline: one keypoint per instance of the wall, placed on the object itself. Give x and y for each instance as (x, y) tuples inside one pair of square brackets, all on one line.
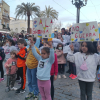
[(19, 24)]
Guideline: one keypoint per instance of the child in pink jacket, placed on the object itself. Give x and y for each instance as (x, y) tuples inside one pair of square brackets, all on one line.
[(61, 60), (11, 69)]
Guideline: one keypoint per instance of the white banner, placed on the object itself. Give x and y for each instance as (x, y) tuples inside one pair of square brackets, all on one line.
[(85, 32), (42, 27)]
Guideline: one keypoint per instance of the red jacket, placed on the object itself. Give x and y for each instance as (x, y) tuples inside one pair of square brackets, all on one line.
[(54, 68)]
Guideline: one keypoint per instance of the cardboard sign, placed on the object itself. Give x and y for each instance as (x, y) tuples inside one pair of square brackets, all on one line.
[(42, 27), (99, 33), (85, 32)]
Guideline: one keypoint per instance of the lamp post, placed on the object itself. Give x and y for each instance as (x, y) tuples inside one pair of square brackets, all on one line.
[(78, 4)]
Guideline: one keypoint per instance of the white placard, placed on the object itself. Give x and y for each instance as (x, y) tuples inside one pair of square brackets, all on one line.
[(42, 27), (85, 32)]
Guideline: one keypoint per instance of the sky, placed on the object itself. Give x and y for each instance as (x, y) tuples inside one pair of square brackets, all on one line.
[(67, 11)]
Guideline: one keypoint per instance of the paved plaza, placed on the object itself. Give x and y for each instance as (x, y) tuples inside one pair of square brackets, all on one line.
[(65, 89)]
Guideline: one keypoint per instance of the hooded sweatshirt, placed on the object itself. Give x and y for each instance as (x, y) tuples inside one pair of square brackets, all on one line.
[(44, 65)]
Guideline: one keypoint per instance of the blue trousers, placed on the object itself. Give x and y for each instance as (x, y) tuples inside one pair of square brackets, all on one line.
[(32, 80)]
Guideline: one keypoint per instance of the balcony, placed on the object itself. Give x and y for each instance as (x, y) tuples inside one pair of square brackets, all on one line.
[(6, 16), (5, 27)]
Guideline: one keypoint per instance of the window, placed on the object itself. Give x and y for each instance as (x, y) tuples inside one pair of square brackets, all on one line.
[(0, 21), (0, 1), (16, 30), (0, 9), (7, 25), (6, 14)]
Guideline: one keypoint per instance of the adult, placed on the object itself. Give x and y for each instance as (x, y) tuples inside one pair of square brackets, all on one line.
[(63, 31), (69, 33)]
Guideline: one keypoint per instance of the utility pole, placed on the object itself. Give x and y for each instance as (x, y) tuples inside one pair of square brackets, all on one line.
[(78, 4)]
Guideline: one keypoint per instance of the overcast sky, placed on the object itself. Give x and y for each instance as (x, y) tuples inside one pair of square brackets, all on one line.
[(90, 12)]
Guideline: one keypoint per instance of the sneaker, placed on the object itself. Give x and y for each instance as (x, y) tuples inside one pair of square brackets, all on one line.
[(18, 90), (1, 79), (30, 94), (35, 97), (22, 91), (71, 75), (74, 77), (59, 76), (64, 76), (13, 88)]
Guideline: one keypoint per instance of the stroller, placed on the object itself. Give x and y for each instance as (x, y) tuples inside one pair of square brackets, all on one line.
[(8, 81)]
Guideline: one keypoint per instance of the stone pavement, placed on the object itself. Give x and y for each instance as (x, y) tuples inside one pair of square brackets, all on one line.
[(65, 89)]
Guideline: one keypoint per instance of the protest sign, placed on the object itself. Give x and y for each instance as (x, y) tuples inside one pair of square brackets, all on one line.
[(99, 33), (85, 32), (42, 27)]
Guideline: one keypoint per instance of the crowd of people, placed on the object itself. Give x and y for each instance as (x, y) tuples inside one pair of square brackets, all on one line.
[(44, 60)]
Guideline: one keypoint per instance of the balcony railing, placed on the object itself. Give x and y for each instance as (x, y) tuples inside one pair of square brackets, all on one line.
[(6, 16)]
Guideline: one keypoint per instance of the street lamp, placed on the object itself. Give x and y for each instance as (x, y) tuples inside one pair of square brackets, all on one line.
[(79, 4)]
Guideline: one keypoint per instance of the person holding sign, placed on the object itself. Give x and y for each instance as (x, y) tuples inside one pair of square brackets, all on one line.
[(43, 70), (86, 62)]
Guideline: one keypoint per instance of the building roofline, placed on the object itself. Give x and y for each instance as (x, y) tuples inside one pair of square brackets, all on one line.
[(6, 3)]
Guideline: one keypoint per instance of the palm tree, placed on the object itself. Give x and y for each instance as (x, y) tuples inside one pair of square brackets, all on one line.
[(49, 12), (28, 10)]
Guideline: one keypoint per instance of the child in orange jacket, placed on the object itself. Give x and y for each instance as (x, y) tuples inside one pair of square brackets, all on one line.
[(21, 59)]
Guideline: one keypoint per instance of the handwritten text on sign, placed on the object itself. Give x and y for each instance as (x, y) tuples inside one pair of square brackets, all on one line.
[(85, 32), (42, 27)]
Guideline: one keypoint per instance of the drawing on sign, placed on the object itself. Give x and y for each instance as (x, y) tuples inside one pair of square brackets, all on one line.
[(42, 26), (85, 32)]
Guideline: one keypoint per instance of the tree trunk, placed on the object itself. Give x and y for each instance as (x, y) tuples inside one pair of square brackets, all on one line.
[(29, 24)]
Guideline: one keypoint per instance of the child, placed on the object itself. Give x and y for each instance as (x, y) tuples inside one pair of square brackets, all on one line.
[(61, 60), (21, 59), (10, 46), (43, 70), (54, 70), (54, 73), (86, 62), (32, 64), (2, 56), (59, 36), (11, 69)]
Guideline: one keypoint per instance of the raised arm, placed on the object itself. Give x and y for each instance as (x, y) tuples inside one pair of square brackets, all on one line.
[(51, 57), (35, 54), (37, 42), (70, 55)]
